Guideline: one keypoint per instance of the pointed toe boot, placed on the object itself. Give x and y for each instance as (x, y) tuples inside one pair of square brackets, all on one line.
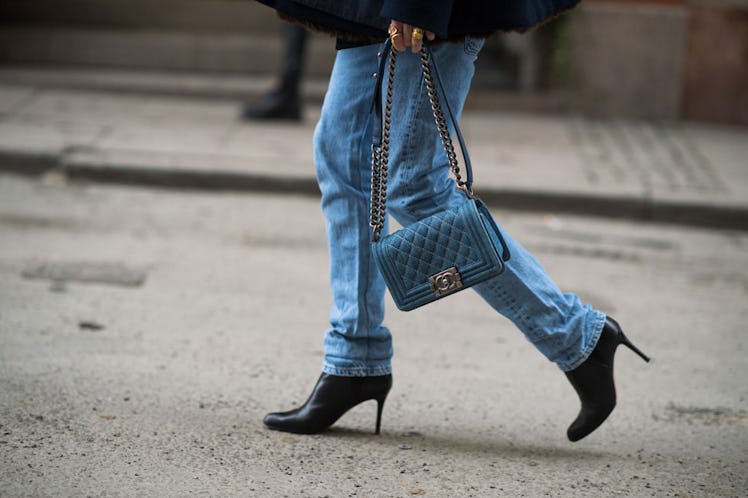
[(331, 397), (593, 381)]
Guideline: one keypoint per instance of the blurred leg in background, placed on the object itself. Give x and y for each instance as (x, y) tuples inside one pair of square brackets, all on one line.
[(284, 101)]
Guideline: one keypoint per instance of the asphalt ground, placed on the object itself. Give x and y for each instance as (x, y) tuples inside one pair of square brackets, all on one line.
[(146, 332)]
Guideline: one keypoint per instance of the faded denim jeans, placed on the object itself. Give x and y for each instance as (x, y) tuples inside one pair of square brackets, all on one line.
[(358, 344)]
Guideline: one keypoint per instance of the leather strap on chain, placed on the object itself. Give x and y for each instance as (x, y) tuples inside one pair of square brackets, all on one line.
[(381, 137)]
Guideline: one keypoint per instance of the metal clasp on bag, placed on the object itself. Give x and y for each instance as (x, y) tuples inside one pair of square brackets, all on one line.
[(446, 282)]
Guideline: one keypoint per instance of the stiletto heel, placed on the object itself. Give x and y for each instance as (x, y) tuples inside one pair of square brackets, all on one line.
[(380, 407), (626, 342), (593, 381), (331, 397)]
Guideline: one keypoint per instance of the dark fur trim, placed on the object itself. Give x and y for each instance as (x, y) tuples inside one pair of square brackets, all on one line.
[(354, 37), (337, 34)]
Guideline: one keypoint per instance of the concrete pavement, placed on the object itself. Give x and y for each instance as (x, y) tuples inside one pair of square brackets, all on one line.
[(146, 332), (683, 173)]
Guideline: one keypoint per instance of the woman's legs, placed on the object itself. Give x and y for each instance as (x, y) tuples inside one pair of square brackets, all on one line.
[(358, 348)]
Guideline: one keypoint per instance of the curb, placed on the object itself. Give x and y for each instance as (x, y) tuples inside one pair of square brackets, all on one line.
[(617, 207)]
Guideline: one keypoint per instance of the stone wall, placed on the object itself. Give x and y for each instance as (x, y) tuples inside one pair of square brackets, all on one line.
[(660, 59), (716, 72)]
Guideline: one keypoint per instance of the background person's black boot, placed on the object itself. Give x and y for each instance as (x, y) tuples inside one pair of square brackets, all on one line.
[(285, 102), (276, 105)]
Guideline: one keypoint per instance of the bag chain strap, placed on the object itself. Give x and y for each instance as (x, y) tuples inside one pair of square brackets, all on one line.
[(380, 158), (380, 154)]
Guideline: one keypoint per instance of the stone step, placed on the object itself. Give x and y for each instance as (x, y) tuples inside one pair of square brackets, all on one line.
[(152, 82), (247, 53), (242, 87), (196, 16)]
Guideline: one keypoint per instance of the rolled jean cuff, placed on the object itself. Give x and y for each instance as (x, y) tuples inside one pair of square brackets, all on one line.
[(364, 371), (580, 357)]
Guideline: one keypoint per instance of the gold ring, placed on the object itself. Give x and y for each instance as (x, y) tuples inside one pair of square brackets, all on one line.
[(417, 34)]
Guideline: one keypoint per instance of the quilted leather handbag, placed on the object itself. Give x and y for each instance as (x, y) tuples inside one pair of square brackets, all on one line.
[(444, 253)]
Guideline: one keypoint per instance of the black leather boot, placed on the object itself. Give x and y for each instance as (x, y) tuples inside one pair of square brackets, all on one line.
[(593, 381), (331, 398), (277, 105), (284, 102)]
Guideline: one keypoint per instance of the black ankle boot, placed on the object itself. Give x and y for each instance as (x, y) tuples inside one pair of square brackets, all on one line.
[(331, 398), (593, 381), (276, 105)]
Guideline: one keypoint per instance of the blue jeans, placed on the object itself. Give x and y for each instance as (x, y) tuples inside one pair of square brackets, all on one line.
[(358, 344)]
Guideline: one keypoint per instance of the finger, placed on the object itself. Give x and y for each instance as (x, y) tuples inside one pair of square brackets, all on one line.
[(407, 35), (398, 39)]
